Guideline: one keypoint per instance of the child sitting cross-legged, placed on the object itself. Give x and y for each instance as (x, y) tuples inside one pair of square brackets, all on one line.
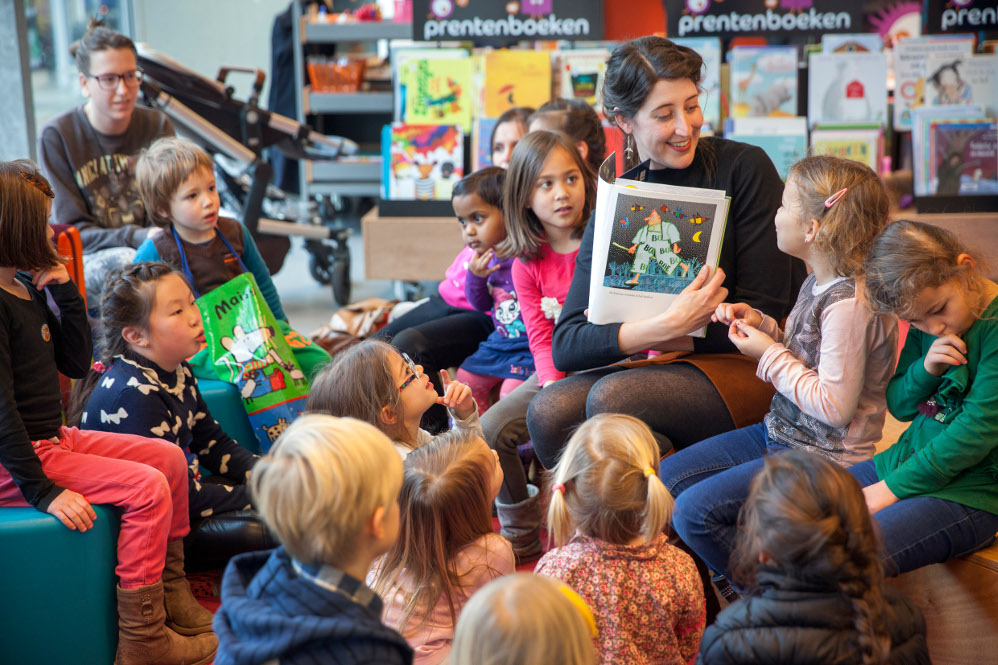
[(177, 182), (329, 491)]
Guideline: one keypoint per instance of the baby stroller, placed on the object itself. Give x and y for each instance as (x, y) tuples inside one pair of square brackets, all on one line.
[(235, 133)]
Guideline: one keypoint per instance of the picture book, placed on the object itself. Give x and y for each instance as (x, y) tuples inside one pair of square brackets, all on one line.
[(847, 87), (516, 78), (866, 42), (709, 49), (579, 75), (423, 162), (400, 56), (649, 242), (481, 135), (921, 152), (910, 63), (962, 80), (763, 81), (864, 144), (437, 91), (783, 139), (964, 157)]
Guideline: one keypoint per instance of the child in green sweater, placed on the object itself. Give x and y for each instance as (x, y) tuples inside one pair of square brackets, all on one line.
[(935, 492)]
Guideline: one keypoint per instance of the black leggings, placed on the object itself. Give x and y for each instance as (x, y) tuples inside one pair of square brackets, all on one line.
[(677, 401), (437, 336)]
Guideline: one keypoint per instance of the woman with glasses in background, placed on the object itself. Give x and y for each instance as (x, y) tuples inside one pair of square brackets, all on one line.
[(89, 154)]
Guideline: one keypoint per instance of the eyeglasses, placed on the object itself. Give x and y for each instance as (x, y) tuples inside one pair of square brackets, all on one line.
[(413, 372), (110, 81)]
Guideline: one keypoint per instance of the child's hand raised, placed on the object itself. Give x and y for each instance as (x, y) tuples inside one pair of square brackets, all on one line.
[(73, 510), (54, 275), (750, 340), (947, 351), (479, 264), (728, 313), (457, 396)]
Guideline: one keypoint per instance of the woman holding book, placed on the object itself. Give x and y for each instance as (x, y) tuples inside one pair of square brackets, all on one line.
[(695, 388)]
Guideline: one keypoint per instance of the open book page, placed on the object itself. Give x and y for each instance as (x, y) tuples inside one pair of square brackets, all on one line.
[(649, 242)]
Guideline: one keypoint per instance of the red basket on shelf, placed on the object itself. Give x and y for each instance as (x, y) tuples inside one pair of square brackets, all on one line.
[(339, 75)]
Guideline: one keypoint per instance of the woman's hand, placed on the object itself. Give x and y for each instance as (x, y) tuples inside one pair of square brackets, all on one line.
[(457, 396), (691, 310), (947, 351), (878, 496), (728, 313), (751, 341), (54, 275), (73, 510), (479, 264)]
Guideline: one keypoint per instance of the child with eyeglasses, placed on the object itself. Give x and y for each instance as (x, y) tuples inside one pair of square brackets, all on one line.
[(375, 383), (89, 154)]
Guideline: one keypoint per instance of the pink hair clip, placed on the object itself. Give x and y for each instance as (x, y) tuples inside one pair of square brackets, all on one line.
[(560, 487), (830, 201), (99, 367)]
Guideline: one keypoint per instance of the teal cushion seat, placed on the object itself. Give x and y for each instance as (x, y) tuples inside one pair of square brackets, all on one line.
[(57, 589), (226, 407)]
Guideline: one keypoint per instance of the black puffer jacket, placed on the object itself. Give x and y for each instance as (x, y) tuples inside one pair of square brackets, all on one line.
[(796, 622)]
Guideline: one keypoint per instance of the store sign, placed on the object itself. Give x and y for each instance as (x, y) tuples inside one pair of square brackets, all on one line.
[(961, 16), (494, 20), (745, 18)]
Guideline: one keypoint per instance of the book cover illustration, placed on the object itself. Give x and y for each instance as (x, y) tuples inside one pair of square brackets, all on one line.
[(649, 243), (852, 43), (580, 75), (962, 80), (784, 140), (424, 161), (911, 57), (964, 158), (438, 91), (400, 59), (860, 144), (763, 81), (516, 78), (481, 136), (922, 119), (847, 87), (709, 49)]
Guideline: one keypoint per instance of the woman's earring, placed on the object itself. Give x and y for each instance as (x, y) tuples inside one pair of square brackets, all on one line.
[(628, 150)]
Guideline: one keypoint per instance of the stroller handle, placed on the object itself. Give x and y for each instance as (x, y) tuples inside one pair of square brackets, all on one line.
[(259, 79)]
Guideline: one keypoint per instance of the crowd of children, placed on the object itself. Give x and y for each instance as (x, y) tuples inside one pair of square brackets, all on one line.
[(386, 550)]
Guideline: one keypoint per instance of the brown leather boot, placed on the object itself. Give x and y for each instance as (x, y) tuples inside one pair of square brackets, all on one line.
[(144, 639), (184, 614)]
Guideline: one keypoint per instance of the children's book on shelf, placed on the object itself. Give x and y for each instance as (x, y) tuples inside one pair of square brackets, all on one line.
[(847, 88), (709, 49), (921, 151), (763, 81), (423, 162), (860, 143), (865, 42), (516, 78), (911, 57), (579, 75), (783, 139), (963, 157), (437, 90), (649, 243), (481, 135), (962, 80), (399, 57)]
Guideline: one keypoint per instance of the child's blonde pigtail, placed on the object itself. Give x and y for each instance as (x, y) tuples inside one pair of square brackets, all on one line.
[(660, 504), (560, 523)]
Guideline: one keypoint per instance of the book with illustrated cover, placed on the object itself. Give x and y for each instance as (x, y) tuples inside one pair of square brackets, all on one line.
[(516, 78), (964, 157), (911, 57), (860, 143), (709, 49), (865, 42), (649, 243), (783, 139), (481, 135), (847, 88), (579, 75), (400, 57), (921, 150), (437, 91), (763, 81), (422, 162), (961, 80)]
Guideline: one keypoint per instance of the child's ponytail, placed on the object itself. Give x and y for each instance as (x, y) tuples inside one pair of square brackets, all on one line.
[(660, 504), (127, 302)]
